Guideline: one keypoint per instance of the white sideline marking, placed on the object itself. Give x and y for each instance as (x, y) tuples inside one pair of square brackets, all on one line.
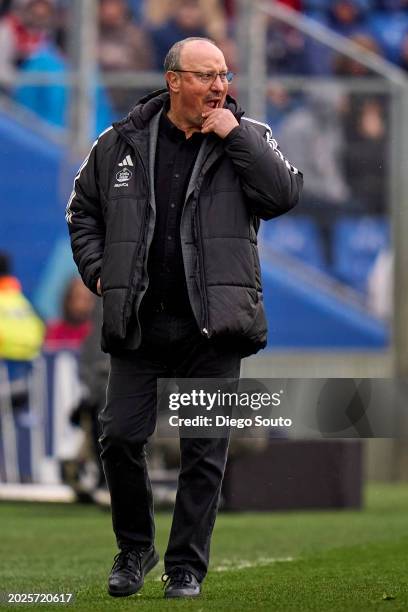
[(231, 566)]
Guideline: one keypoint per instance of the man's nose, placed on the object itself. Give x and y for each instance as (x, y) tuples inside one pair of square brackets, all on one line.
[(217, 84)]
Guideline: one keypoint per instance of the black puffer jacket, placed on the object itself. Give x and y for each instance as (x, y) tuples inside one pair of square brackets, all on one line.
[(235, 183)]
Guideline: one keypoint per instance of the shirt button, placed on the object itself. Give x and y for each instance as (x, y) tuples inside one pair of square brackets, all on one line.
[(172, 205), (169, 238), (176, 176)]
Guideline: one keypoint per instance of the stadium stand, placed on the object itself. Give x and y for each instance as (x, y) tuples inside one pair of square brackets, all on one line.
[(356, 244), (297, 236)]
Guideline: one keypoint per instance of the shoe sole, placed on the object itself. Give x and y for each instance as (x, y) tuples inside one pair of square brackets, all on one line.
[(148, 567)]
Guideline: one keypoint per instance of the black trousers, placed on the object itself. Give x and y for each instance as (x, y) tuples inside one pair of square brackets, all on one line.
[(171, 346)]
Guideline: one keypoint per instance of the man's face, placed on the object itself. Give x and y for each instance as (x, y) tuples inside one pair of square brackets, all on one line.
[(191, 95)]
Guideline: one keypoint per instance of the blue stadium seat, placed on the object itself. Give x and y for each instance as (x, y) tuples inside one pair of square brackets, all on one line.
[(356, 244), (389, 29), (295, 235)]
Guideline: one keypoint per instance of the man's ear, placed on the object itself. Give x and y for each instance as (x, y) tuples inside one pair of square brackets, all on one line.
[(173, 81)]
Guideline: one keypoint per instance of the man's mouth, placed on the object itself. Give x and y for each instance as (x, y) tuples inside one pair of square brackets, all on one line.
[(214, 103)]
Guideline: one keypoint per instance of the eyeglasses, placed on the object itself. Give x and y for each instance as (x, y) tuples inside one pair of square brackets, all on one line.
[(209, 77)]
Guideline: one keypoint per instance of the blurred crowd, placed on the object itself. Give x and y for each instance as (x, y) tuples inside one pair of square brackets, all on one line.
[(380, 26), (134, 35)]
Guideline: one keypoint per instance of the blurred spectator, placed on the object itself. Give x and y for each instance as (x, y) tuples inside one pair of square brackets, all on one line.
[(186, 19), (365, 158), (50, 102), (279, 104), (5, 6), (157, 12), (366, 154), (214, 15), (345, 17), (122, 45), (70, 331), (21, 330), (313, 139), (22, 31), (348, 17), (136, 8), (21, 338), (285, 49), (346, 66), (93, 373)]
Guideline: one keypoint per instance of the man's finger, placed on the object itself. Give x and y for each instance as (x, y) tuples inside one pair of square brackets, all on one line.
[(209, 112), (207, 128), (207, 125)]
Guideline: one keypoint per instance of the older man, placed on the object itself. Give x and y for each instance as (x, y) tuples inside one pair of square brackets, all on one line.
[(163, 221)]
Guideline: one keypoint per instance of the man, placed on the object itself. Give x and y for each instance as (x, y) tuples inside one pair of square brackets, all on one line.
[(163, 222)]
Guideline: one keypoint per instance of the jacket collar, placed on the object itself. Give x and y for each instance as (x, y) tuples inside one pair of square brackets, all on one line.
[(145, 109), (140, 128)]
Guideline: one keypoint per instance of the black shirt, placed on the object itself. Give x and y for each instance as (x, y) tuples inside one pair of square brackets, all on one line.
[(175, 157)]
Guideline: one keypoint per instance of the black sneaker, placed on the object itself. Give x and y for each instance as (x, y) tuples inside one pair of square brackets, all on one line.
[(129, 569), (180, 582)]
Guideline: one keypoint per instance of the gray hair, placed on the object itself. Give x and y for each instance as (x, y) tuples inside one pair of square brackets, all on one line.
[(172, 59)]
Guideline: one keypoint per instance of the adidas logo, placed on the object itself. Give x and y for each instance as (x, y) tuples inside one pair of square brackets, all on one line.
[(126, 162)]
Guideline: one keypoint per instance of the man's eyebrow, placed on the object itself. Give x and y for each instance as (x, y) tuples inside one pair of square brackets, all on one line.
[(206, 70), (223, 69)]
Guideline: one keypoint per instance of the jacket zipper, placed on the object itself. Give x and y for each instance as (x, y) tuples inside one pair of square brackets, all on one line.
[(205, 324), (203, 287)]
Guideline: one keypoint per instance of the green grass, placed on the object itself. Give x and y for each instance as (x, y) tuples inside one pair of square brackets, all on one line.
[(338, 560)]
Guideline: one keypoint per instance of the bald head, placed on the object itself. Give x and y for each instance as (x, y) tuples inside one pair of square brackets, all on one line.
[(200, 53), (173, 57)]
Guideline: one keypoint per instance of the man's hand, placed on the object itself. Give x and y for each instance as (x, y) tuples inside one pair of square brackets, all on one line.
[(98, 287), (220, 121)]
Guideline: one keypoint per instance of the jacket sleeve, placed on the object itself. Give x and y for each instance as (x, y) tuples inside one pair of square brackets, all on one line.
[(85, 221), (271, 184)]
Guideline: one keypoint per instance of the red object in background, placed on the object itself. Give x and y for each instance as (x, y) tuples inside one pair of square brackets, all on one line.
[(26, 41), (230, 6), (294, 4), (62, 335), (75, 325)]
